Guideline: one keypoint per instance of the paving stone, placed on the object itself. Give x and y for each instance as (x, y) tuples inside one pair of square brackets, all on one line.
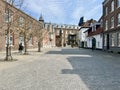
[(62, 69)]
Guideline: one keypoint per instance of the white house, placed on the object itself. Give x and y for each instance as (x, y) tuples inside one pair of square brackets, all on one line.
[(95, 36), (82, 36)]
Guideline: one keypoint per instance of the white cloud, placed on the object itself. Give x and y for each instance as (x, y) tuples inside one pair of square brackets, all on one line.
[(64, 11), (88, 9)]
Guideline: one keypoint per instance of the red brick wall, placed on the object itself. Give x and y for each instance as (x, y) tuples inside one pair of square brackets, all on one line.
[(16, 34)]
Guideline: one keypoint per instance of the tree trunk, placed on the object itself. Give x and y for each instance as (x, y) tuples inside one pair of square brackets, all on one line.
[(8, 47), (8, 53), (25, 45), (39, 46)]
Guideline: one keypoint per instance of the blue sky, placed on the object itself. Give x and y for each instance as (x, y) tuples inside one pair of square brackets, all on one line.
[(64, 11)]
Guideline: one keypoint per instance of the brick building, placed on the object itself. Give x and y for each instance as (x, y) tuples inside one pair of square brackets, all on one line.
[(66, 35), (22, 27), (58, 35), (111, 24), (27, 30)]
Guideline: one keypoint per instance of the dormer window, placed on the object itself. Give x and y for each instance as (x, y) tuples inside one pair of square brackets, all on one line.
[(93, 28)]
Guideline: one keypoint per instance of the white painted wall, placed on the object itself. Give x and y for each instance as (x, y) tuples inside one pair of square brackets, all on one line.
[(99, 42), (82, 34)]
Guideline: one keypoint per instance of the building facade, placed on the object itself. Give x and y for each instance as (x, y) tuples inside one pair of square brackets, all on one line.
[(95, 36), (111, 22), (17, 27), (83, 34), (66, 35)]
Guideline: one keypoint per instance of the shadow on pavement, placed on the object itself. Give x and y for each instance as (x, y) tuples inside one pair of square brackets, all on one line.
[(97, 74), (97, 69), (70, 51)]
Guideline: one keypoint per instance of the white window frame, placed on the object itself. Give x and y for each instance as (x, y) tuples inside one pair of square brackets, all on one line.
[(105, 40), (21, 39), (118, 19), (93, 28), (118, 39), (118, 3), (112, 6), (106, 25), (21, 21), (101, 22), (30, 25), (112, 22), (10, 40), (106, 11), (31, 41), (8, 16), (113, 39)]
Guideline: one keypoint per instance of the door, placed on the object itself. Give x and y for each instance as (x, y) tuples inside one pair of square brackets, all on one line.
[(93, 43)]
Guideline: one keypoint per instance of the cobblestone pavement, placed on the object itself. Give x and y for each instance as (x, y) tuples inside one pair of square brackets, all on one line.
[(61, 69)]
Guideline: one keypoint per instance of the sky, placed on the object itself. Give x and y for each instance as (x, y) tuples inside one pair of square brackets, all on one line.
[(64, 11)]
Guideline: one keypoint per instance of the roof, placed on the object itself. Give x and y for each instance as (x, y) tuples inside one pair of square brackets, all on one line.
[(88, 23)]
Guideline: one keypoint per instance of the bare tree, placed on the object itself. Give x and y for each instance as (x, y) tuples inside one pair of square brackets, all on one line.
[(9, 23), (38, 32), (26, 30)]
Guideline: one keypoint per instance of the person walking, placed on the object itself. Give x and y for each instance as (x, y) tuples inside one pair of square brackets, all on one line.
[(20, 47)]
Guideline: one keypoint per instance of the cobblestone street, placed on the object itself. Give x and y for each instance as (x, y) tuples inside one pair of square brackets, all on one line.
[(62, 69)]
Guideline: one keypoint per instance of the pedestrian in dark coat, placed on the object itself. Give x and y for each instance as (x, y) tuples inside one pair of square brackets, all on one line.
[(20, 47)]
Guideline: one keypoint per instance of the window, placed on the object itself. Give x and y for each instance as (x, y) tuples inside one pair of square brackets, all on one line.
[(118, 3), (119, 39), (31, 41), (21, 39), (106, 25), (21, 21), (8, 16), (106, 11), (93, 28), (57, 32), (105, 40), (112, 22), (112, 6), (66, 32), (30, 25), (119, 19), (10, 40), (101, 22), (113, 39)]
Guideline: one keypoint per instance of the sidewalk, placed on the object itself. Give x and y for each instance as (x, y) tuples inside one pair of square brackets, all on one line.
[(21, 58)]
